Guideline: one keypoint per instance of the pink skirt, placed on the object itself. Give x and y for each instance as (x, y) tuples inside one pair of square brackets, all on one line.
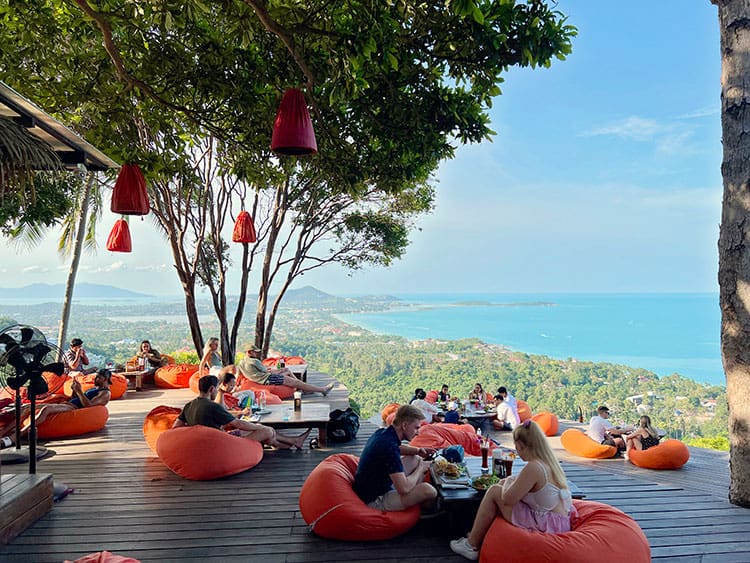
[(541, 520)]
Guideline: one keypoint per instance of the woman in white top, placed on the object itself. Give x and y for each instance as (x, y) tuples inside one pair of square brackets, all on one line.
[(211, 363), (537, 498)]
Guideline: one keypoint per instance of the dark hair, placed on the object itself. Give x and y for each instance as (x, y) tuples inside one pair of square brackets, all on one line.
[(502, 390), (228, 376), (444, 386), (206, 382), (417, 391), (603, 408), (106, 373), (420, 393), (145, 342), (76, 342)]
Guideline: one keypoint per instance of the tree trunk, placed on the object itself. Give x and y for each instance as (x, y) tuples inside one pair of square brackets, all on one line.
[(734, 237), (75, 261)]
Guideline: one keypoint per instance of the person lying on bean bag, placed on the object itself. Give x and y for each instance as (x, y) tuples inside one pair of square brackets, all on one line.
[(204, 411), (97, 395), (254, 370)]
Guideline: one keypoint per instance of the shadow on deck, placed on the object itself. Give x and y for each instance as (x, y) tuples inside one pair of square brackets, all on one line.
[(126, 501)]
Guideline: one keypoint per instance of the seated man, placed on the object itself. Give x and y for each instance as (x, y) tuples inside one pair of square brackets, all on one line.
[(506, 418), (204, 411), (510, 400), (430, 411), (97, 395), (149, 359), (602, 431), (75, 359), (252, 368), (443, 395), (390, 476)]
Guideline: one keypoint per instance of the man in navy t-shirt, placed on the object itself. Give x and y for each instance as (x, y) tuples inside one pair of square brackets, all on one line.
[(390, 476)]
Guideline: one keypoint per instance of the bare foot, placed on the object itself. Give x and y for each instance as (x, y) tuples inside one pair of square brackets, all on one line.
[(299, 441), (327, 389)]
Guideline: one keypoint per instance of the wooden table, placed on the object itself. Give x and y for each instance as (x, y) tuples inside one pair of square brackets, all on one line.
[(312, 415), (136, 375)]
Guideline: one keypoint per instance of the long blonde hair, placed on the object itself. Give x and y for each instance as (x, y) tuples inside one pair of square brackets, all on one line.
[(645, 423), (207, 347), (529, 433)]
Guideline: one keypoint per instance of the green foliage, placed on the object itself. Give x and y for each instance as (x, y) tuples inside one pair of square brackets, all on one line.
[(184, 357), (715, 443)]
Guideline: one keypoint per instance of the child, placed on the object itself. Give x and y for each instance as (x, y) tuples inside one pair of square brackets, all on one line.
[(537, 498)]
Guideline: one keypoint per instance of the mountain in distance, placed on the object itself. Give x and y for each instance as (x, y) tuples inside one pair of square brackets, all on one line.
[(309, 295), (57, 291)]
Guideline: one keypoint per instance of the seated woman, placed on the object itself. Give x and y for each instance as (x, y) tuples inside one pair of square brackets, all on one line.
[(211, 363), (224, 397), (478, 394), (537, 498), (252, 368), (643, 437), (149, 359)]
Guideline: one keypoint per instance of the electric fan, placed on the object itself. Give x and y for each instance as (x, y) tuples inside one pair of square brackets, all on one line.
[(25, 358)]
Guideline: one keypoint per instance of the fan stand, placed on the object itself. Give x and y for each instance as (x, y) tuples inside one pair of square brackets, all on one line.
[(24, 454)]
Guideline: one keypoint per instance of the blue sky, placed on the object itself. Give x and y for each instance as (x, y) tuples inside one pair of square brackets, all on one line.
[(604, 177)]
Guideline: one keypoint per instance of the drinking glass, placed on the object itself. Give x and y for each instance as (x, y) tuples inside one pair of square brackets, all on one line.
[(263, 400)]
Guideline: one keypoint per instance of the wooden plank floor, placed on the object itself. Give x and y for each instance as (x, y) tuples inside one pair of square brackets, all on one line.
[(128, 502)]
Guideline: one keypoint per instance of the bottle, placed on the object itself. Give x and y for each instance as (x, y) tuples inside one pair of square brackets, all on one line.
[(580, 414), (298, 400)]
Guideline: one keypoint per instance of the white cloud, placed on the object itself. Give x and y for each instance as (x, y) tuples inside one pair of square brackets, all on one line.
[(35, 270), (707, 111), (152, 268), (634, 128), (113, 267)]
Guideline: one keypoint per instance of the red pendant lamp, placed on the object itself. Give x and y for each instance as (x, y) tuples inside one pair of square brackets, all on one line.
[(119, 237), (293, 132), (244, 230), (129, 196)]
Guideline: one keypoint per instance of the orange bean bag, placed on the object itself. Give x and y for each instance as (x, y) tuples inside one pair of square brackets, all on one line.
[(524, 410), (578, 443), (117, 388), (201, 453), (270, 362), (174, 376), (281, 391), (73, 423), (444, 435), (547, 422), (432, 397), (670, 454), (56, 383), (333, 510), (158, 420), (294, 361), (600, 533), (387, 410)]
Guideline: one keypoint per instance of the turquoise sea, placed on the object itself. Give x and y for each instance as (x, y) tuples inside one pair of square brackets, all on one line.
[(664, 333)]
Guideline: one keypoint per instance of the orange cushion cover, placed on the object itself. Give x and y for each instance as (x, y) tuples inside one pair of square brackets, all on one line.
[(670, 454), (174, 376), (387, 410), (547, 422), (281, 391), (444, 435), (524, 410), (600, 533), (73, 423), (201, 453), (158, 420), (329, 504), (104, 557), (294, 361), (117, 389), (578, 443)]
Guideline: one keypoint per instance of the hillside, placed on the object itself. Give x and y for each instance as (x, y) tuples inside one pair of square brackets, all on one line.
[(57, 292)]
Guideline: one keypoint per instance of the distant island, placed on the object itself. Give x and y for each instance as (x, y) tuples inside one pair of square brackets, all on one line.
[(57, 291)]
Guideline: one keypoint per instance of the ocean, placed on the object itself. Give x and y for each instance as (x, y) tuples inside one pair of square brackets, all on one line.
[(663, 333)]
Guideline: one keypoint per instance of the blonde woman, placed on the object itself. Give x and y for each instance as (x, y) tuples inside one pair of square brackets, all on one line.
[(643, 437), (211, 361), (538, 498)]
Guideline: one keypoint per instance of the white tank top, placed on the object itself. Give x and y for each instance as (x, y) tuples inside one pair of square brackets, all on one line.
[(547, 498)]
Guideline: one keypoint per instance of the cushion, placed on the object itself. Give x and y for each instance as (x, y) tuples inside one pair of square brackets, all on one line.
[(158, 420), (333, 510), (547, 422), (387, 410), (104, 557), (201, 453), (117, 389), (670, 454), (193, 382), (281, 391), (524, 410), (432, 396), (578, 443), (270, 362), (443, 435), (174, 376), (294, 361), (56, 383), (73, 423), (600, 533)]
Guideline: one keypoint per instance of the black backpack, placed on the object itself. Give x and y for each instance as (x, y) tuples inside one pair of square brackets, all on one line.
[(343, 425)]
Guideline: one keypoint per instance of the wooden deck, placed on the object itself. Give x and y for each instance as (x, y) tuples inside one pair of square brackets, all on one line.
[(126, 501)]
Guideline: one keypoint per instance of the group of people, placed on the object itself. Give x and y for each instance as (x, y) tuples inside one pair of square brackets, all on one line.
[(390, 477), (602, 431)]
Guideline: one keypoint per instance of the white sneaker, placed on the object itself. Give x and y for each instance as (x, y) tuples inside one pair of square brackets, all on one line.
[(464, 548)]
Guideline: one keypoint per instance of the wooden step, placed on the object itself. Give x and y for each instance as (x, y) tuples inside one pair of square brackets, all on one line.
[(23, 500)]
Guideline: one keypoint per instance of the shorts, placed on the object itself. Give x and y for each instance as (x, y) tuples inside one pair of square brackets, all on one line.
[(215, 370), (275, 379), (389, 502)]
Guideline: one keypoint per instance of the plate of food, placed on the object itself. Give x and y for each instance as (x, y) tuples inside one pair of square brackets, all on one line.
[(484, 482), (449, 472)]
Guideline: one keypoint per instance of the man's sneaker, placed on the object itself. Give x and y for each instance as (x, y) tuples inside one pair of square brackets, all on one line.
[(462, 547)]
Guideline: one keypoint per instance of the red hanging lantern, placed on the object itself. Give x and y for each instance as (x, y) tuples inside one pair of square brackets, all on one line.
[(119, 237), (293, 132), (244, 230), (129, 196)]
